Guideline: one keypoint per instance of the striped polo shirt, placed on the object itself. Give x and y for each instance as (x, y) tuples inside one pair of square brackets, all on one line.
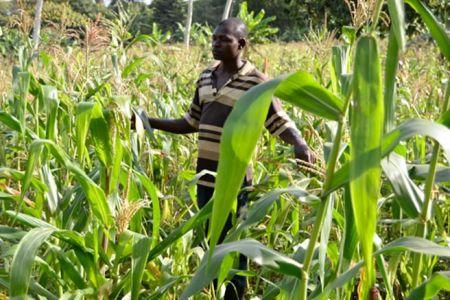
[(210, 109)]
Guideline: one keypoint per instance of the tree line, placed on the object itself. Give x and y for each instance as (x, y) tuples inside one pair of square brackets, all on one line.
[(294, 18)]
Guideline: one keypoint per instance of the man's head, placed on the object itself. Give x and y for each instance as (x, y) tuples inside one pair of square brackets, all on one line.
[(229, 39)]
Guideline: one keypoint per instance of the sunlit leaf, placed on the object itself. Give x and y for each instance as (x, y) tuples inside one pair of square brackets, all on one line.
[(436, 29), (406, 130), (303, 91), (412, 244), (51, 104), (397, 13), (392, 59), (23, 260), (141, 250), (438, 282), (252, 249), (245, 123), (408, 195), (366, 134)]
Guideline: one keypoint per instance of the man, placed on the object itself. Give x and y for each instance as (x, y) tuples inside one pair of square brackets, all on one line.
[(218, 89)]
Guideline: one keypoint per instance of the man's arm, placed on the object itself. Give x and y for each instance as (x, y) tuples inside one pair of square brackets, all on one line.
[(172, 125), (279, 124), (188, 124), (301, 149)]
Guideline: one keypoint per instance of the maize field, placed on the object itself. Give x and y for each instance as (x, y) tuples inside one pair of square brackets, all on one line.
[(91, 209)]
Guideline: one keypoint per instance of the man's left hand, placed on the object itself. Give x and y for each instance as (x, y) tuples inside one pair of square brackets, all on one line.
[(303, 152)]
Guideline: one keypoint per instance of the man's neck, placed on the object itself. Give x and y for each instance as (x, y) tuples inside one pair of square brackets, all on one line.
[(231, 66)]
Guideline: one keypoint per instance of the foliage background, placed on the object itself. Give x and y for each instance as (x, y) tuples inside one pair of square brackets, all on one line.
[(293, 18)]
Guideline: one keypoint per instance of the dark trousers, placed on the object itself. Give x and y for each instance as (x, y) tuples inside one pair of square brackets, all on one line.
[(236, 288)]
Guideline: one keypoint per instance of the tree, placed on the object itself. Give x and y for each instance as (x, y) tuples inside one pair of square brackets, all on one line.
[(187, 31), (211, 11), (226, 11), (295, 18), (37, 23), (168, 13), (89, 8)]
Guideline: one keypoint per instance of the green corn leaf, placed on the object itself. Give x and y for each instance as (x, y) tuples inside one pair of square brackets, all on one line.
[(21, 86), (23, 260), (190, 224), (349, 34), (397, 13), (11, 234), (410, 128), (52, 195), (6, 196), (132, 66), (153, 193), (436, 29), (100, 133), (252, 249), (260, 208), (164, 287), (421, 172), (445, 118), (141, 250), (34, 287), (40, 290), (139, 38), (98, 86), (392, 59), (117, 164), (33, 156), (350, 239), (339, 68), (89, 266), (29, 220), (94, 194), (438, 282), (19, 175), (68, 268), (381, 263), (366, 135), (14, 124), (414, 127), (51, 103), (412, 244), (245, 123), (416, 245), (10, 121), (303, 91), (83, 119), (408, 195), (324, 238), (72, 237)]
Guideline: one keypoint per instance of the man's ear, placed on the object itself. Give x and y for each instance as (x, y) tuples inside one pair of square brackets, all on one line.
[(242, 43)]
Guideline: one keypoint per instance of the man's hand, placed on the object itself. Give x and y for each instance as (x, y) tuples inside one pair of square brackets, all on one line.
[(303, 152), (292, 136)]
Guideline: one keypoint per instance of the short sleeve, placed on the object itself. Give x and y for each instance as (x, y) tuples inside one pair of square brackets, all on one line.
[(192, 116), (277, 120)]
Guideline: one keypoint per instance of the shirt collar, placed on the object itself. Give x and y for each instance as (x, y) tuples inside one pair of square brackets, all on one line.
[(244, 70)]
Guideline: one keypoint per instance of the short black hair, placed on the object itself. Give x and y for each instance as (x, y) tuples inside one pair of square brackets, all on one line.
[(239, 27)]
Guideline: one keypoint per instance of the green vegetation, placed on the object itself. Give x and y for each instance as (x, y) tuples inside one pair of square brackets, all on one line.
[(92, 209)]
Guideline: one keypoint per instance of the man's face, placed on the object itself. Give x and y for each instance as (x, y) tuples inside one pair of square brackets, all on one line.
[(225, 44)]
